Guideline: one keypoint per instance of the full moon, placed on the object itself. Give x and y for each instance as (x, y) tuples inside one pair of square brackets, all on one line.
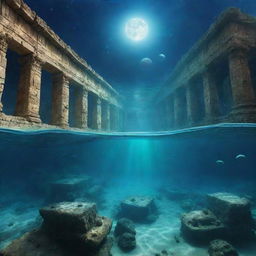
[(136, 29)]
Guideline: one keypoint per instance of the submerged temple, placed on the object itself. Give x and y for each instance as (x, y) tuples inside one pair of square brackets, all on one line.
[(97, 105), (215, 81)]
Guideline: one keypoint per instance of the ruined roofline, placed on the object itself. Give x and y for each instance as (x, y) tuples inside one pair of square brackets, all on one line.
[(232, 14), (21, 8)]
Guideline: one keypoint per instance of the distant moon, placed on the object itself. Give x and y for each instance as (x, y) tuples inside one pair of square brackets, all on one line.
[(240, 156), (161, 57), (219, 162), (136, 29), (146, 62)]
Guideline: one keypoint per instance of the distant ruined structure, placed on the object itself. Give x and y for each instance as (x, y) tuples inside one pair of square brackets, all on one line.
[(97, 105), (215, 81)]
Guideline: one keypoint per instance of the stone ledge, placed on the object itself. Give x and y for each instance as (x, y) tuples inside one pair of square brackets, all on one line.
[(230, 15), (21, 8)]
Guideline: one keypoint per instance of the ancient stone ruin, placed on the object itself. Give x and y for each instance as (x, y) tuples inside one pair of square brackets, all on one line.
[(97, 105), (69, 228), (215, 81), (227, 217)]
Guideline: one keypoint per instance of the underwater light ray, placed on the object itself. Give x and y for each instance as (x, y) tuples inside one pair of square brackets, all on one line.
[(138, 164)]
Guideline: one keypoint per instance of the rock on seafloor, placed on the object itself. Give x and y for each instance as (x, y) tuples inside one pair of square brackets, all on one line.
[(69, 228), (201, 226), (127, 242), (124, 226), (37, 243), (125, 234), (71, 217), (221, 248), (97, 234), (139, 209), (234, 212)]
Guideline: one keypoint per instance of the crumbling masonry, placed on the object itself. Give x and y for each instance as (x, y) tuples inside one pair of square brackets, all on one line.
[(97, 105), (215, 81)]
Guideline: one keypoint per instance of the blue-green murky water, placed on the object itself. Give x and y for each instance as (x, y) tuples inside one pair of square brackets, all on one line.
[(123, 165)]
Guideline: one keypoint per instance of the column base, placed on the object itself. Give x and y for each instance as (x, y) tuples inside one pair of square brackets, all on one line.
[(81, 126), (61, 125), (212, 120), (32, 119), (245, 113)]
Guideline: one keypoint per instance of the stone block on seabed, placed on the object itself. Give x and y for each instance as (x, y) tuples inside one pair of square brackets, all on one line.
[(138, 208), (234, 212), (69, 217), (68, 189), (69, 228), (221, 248), (37, 243), (201, 227), (97, 234)]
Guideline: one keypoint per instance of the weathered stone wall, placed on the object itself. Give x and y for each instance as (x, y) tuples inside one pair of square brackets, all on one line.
[(228, 43), (22, 31)]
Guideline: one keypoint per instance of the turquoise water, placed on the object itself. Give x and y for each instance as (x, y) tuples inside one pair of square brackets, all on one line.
[(123, 165)]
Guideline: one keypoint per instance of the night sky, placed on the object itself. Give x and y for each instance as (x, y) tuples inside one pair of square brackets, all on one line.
[(94, 29)]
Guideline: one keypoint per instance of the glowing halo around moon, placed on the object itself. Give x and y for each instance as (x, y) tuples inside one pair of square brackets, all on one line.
[(136, 29)]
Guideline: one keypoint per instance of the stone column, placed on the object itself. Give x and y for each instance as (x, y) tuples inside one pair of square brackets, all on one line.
[(96, 113), (121, 120), (170, 112), (164, 114), (112, 117), (105, 115), (81, 108), (178, 108), (60, 100), (118, 118), (28, 101), (107, 118), (192, 104), (3, 63), (211, 97), (244, 104)]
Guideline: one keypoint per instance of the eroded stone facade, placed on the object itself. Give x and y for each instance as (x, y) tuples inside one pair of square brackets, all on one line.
[(22, 31), (219, 67)]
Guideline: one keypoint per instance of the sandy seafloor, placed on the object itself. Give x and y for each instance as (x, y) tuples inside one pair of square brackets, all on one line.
[(152, 238), (159, 235)]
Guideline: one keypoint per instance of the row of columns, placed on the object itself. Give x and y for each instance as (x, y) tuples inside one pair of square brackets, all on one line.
[(28, 100), (184, 103)]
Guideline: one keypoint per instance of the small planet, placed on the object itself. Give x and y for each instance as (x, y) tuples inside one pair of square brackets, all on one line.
[(146, 62), (240, 156), (220, 162), (161, 57)]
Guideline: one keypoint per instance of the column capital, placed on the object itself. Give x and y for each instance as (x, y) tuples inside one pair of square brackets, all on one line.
[(98, 99), (206, 69), (62, 76), (3, 43), (238, 52), (31, 59)]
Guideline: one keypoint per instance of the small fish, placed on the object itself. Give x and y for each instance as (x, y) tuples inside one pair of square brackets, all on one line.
[(240, 156), (220, 162)]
